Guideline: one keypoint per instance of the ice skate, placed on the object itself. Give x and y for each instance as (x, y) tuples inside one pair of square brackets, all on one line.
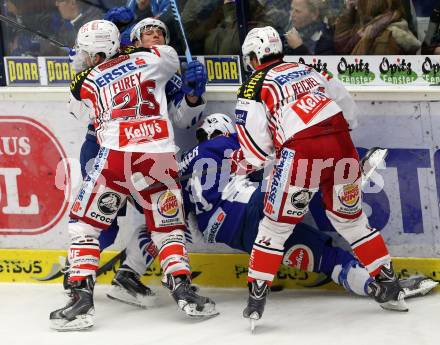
[(386, 290), (258, 291), (187, 299), (128, 288), (79, 312), (372, 159), (417, 286)]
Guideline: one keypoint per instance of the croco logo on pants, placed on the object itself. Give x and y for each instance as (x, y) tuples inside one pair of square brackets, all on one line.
[(30, 202)]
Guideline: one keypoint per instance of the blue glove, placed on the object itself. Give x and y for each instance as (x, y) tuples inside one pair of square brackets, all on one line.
[(194, 79), (120, 16), (125, 36), (159, 6)]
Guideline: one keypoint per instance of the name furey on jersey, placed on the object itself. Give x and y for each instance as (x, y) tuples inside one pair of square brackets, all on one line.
[(128, 99)]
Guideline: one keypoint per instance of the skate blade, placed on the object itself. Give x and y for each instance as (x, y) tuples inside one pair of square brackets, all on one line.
[(253, 318), (399, 305), (424, 287), (80, 323), (376, 158), (122, 295), (190, 309)]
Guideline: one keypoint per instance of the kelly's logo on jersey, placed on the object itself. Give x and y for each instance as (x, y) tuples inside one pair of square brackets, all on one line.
[(59, 71), (22, 71), (134, 133)]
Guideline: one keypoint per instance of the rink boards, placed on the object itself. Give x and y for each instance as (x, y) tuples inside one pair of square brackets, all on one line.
[(40, 144), (209, 269)]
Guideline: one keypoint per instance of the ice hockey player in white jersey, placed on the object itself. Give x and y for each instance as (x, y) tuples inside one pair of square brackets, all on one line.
[(126, 95), (184, 94), (223, 206), (299, 117)]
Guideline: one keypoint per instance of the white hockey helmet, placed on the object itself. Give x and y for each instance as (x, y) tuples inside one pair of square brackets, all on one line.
[(98, 36), (215, 122), (263, 42), (135, 33)]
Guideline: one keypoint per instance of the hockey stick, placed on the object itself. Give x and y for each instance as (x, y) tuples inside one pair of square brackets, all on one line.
[(178, 19), (131, 4), (13, 23)]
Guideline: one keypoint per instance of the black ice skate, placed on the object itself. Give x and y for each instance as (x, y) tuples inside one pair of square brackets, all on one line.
[(187, 298), (128, 288), (258, 291), (386, 290), (417, 286), (78, 314)]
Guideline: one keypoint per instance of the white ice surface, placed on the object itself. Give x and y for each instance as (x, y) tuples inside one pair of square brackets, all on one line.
[(291, 317)]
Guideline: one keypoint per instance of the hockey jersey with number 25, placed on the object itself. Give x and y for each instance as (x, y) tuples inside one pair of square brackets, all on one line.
[(126, 98)]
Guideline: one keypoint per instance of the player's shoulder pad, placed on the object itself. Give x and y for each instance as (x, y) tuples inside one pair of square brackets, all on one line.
[(250, 89), (75, 85), (132, 49)]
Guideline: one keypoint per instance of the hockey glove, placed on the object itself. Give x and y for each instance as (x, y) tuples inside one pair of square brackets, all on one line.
[(120, 16), (194, 79)]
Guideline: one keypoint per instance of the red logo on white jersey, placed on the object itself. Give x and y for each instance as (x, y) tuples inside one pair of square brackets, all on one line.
[(132, 133), (284, 67), (309, 105), (299, 256), (113, 62), (30, 202)]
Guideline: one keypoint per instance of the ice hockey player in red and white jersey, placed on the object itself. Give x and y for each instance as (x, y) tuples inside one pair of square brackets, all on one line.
[(125, 94), (184, 94), (291, 113)]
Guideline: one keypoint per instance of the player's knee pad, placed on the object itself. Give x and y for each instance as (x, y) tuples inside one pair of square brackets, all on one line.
[(84, 252), (80, 231), (273, 234), (367, 243), (352, 276), (350, 229), (172, 252), (141, 251)]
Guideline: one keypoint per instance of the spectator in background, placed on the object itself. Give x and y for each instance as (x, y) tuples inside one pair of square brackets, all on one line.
[(309, 33), (72, 15), (143, 9), (33, 15), (224, 38), (431, 42), (199, 18), (376, 28)]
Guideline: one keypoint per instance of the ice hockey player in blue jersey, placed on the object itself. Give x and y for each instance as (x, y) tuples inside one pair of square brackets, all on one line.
[(226, 208)]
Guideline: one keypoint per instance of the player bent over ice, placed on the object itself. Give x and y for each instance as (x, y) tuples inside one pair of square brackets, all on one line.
[(126, 92), (299, 115)]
